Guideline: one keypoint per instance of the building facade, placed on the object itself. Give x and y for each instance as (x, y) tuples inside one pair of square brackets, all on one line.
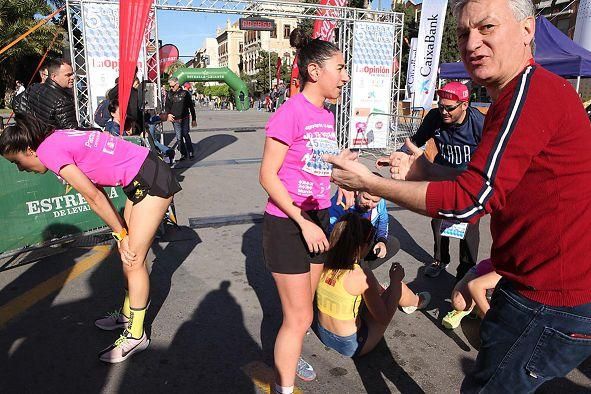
[(230, 41), (275, 41)]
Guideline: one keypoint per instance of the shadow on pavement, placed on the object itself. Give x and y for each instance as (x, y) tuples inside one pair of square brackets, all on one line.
[(205, 148), (380, 364), (407, 242), (264, 287), (53, 346), (206, 355), (166, 262)]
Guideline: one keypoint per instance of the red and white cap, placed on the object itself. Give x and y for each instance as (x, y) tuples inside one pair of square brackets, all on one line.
[(454, 91)]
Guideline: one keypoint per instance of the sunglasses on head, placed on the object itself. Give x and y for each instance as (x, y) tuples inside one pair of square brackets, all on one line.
[(448, 108)]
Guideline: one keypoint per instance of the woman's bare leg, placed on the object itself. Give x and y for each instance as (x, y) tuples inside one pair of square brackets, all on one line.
[(296, 302)]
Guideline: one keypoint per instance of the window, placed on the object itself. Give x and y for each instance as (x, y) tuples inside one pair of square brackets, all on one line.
[(274, 32), (286, 31)]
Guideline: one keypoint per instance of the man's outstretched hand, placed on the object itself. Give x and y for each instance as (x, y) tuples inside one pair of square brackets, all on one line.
[(347, 172), (404, 166)]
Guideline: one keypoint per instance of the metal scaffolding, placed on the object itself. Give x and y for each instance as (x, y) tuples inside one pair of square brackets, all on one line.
[(344, 16)]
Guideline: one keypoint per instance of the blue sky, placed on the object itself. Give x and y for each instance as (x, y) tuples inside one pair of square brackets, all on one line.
[(187, 30)]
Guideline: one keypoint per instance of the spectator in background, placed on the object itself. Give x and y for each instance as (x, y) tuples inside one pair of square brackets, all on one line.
[(178, 107), (51, 101), (456, 129)]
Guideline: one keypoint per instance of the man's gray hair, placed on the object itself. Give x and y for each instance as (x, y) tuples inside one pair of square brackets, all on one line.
[(173, 79), (521, 9)]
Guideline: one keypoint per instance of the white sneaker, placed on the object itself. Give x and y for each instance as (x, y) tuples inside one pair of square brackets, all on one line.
[(424, 300), (113, 321), (124, 347)]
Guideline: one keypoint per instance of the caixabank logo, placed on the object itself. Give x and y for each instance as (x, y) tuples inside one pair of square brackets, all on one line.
[(71, 203)]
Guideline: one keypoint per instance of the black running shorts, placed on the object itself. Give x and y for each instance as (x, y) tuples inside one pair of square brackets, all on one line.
[(284, 247), (154, 178)]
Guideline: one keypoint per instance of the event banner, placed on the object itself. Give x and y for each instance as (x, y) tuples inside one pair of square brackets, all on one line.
[(583, 25), (101, 35), (324, 28), (371, 84), (410, 70), (37, 208), (428, 48)]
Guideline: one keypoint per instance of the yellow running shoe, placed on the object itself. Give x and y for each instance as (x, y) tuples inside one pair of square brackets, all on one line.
[(454, 318)]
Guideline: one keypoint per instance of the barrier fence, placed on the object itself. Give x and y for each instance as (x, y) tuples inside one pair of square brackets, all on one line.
[(40, 208)]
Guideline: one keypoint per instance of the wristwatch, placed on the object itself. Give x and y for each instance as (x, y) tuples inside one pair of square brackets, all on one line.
[(119, 236)]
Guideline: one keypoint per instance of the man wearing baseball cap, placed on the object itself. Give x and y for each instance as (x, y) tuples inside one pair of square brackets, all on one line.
[(456, 129)]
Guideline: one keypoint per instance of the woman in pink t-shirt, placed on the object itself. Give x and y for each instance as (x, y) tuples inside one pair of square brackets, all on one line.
[(298, 183), (88, 160)]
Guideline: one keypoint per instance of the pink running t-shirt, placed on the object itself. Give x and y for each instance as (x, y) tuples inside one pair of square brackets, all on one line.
[(105, 159), (309, 133)]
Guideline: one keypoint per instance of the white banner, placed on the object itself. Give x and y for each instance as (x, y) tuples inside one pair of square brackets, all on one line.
[(101, 36), (428, 48), (371, 84), (410, 71), (583, 25)]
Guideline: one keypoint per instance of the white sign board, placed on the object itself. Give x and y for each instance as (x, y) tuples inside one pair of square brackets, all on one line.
[(101, 36), (371, 84), (428, 48), (410, 71)]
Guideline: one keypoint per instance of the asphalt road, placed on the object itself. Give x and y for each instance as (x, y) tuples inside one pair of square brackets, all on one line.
[(214, 308)]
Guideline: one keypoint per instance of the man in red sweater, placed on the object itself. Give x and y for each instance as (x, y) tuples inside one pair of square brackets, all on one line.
[(532, 174)]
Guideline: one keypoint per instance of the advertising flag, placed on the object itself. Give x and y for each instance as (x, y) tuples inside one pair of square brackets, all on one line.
[(410, 70), (428, 48)]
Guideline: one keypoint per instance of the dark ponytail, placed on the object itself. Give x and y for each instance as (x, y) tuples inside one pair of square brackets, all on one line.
[(310, 51), (347, 240), (27, 132)]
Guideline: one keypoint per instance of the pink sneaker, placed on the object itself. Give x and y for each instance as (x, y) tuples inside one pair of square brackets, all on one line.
[(113, 321), (124, 347)]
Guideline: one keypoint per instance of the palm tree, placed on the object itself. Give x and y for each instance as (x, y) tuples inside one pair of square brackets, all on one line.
[(16, 18)]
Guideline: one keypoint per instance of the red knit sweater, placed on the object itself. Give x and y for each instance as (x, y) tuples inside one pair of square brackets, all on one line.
[(532, 173)]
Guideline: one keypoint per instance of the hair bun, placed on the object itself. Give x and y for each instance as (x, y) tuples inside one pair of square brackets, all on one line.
[(298, 39)]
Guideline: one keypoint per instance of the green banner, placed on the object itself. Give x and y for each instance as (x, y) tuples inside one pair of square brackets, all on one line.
[(37, 208)]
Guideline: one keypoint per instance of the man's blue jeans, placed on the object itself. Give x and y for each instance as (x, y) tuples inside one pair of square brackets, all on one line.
[(183, 138), (525, 343), (160, 146)]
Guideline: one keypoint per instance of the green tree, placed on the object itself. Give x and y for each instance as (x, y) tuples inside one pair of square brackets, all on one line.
[(217, 90), (263, 71), (449, 43), (19, 62)]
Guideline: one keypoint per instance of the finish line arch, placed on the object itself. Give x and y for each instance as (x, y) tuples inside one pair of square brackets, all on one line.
[(223, 74)]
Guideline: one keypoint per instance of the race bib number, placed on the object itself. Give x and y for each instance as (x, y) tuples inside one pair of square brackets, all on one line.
[(313, 162), (453, 229)]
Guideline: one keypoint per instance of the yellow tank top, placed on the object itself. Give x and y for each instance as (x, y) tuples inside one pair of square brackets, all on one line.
[(332, 298)]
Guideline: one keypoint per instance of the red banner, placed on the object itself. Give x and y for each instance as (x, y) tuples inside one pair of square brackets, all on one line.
[(168, 55), (294, 84), (278, 70), (133, 17), (324, 28)]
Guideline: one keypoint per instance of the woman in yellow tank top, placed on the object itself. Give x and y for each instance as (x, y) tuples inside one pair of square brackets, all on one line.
[(340, 323)]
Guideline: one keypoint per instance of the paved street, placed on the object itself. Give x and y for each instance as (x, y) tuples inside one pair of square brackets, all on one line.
[(214, 309)]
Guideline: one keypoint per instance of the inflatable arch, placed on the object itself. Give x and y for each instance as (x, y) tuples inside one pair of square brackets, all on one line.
[(217, 74)]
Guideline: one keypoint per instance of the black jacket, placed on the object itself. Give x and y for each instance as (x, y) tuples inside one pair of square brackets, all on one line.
[(48, 102), (179, 104)]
